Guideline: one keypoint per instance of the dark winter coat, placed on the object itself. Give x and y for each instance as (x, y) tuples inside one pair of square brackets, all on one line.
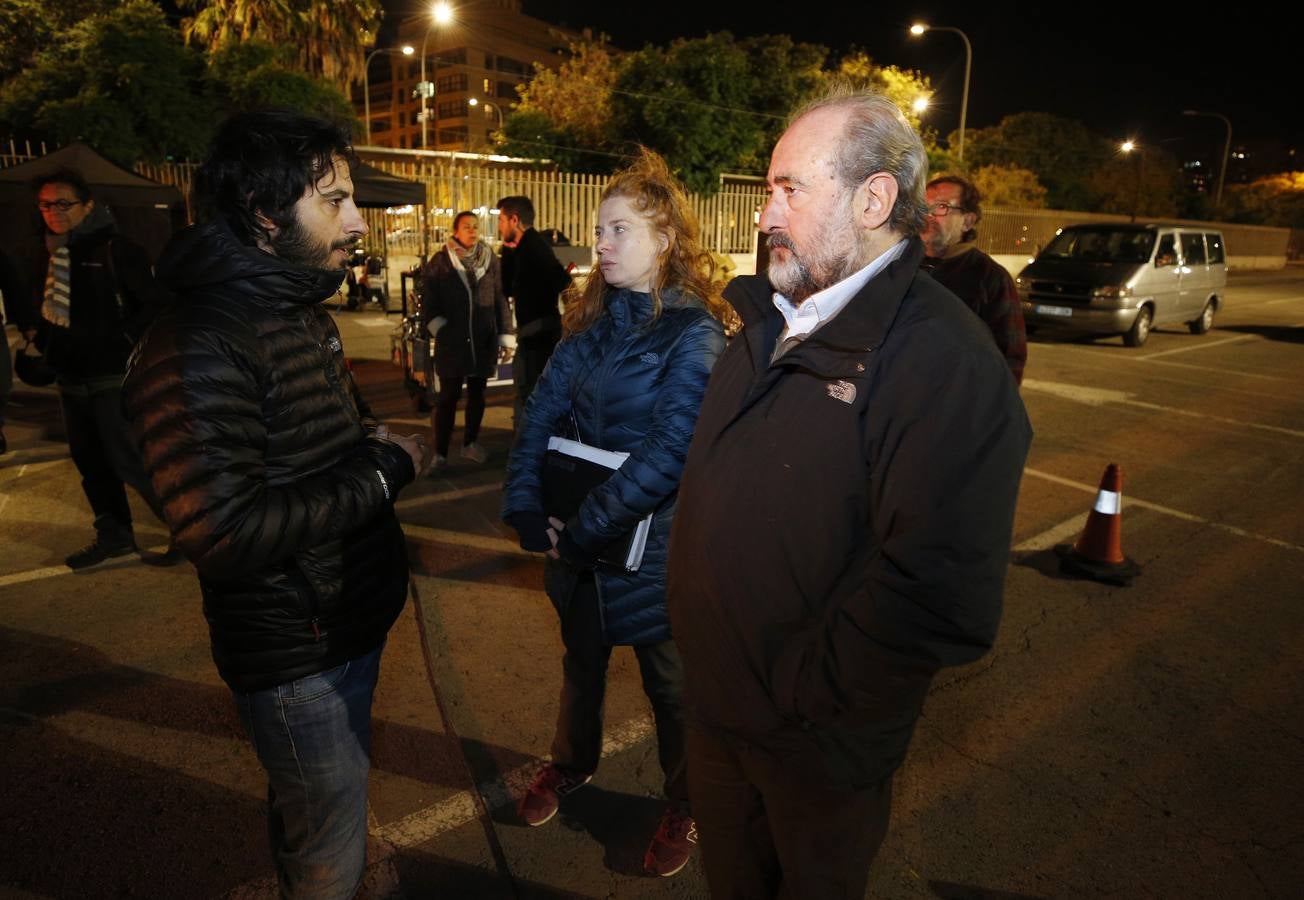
[(844, 523), (256, 442), (987, 288), (634, 388), (113, 299), (535, 280), (467, 341)]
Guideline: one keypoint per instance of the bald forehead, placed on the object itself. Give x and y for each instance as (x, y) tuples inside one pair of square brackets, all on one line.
[(808, 148)]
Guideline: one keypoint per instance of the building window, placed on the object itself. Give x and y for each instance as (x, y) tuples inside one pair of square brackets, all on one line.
[(456, 135), (448, 84), (453, 57), (379, 126), (452, 109), (512, 66), (507, 91)]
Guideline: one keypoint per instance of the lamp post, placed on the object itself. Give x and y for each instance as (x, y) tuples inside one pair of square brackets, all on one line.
[(1127, 148), (919, 28), (442, 14), (488, 105), (1227, 149), (406, 50)]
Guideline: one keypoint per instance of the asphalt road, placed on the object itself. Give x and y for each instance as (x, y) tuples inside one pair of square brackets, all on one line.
[(1139, 741)]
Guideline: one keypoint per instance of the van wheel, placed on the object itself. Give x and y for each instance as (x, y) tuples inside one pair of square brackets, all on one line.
[(1140, 330), (1205, 322)]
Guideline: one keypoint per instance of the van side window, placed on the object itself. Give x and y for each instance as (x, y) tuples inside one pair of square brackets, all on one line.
[(1166, 254), (1193, 248), (1215, 248)]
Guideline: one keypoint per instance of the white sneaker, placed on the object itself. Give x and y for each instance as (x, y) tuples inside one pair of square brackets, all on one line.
[(475, 453)]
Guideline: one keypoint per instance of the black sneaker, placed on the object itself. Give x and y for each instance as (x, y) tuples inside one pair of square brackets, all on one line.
[(105, 546)]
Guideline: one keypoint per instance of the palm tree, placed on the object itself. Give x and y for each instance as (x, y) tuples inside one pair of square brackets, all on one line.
[(331, 37)]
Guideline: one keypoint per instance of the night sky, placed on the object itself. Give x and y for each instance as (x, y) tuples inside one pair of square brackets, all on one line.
[(1124, 69)]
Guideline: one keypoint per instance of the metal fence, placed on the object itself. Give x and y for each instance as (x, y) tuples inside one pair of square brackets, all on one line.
[(568, 202)]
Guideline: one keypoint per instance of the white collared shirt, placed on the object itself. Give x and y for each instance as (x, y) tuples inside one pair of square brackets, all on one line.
[(820, 307)]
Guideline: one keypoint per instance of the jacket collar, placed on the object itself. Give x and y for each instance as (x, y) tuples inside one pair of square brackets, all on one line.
[(209, 256), (862, 324)]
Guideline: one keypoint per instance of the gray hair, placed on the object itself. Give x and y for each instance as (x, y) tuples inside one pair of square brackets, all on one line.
[(877, 138)]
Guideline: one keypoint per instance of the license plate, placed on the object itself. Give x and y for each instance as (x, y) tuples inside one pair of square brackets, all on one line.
[(1053, 310)]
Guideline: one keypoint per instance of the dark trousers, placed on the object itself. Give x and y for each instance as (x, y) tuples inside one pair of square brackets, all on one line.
[(527, 365), (767, 835), (104, 454), (578, 741), (450, 392)]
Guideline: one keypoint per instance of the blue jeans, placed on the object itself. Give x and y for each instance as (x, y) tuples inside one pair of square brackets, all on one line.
[(313, 736)]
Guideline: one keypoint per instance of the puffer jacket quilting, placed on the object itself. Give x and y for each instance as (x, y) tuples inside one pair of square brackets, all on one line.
[(635, 389), (255, 440)]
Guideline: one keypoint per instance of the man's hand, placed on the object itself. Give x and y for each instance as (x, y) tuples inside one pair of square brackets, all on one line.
[(505, 354), (413, 444)]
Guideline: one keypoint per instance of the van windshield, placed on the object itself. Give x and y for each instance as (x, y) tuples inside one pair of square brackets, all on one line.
[(1102, 245)]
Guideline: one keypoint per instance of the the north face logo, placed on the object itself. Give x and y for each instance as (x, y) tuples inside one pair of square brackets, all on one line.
[(650, 358), (842, 390)]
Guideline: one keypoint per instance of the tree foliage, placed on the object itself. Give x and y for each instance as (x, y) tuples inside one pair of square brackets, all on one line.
[(1058, 150), (120, 80), (1273, 200), (1009, 187), (124, 82), (329, 38)]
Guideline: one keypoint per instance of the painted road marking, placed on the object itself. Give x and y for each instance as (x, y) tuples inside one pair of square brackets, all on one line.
[(1104, 396), (462, 539), (444, 496), (459, 809), (1207, 344), (1056, 534)]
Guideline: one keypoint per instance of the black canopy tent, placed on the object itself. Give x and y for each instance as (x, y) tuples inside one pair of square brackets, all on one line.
[(377, 189), (145, 211)]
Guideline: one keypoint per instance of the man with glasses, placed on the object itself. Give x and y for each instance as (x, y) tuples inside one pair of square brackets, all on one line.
[(95, 293), (953, 258)]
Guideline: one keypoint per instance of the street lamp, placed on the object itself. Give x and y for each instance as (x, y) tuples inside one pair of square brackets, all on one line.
[(920, 105), (1126, 148), (1227, 149), (442, 14), (488, 105), (406, 50), (919, 28)]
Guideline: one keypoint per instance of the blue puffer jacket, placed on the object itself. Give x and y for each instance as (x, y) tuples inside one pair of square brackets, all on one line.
[(631, 388)]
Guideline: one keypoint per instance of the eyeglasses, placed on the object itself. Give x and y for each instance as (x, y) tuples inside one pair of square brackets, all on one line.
[(942, 208), (60, 205)]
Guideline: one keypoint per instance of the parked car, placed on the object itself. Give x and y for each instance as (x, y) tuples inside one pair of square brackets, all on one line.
[(1126, 279)]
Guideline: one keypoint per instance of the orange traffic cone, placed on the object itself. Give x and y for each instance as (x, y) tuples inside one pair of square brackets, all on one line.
[(1098, 551)]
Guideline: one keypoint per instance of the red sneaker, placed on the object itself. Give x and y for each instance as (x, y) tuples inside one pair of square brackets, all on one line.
[(672, 845), (546, 792)]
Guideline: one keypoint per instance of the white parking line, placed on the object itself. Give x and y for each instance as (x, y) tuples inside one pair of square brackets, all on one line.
[(1056, 534), (1201, 346), (1103, 396), (459, 809), (445, 496)]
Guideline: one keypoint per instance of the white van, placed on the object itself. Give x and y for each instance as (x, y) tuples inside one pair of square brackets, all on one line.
[(1124, 279)]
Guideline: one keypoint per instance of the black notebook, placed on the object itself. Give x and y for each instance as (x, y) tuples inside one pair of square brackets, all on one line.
[(570, 471)]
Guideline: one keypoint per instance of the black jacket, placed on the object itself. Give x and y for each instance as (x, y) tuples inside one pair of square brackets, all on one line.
[(256, 442), (114, 298), (535, 280), (844, 523), (467, 340)]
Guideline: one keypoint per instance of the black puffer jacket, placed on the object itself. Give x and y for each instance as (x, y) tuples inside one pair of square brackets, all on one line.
[(255, 439)]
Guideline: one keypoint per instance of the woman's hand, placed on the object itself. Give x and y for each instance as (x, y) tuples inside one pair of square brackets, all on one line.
[(554, 534)]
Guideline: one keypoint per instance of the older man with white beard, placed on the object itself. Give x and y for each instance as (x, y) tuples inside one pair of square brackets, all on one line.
[(844, 516)]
